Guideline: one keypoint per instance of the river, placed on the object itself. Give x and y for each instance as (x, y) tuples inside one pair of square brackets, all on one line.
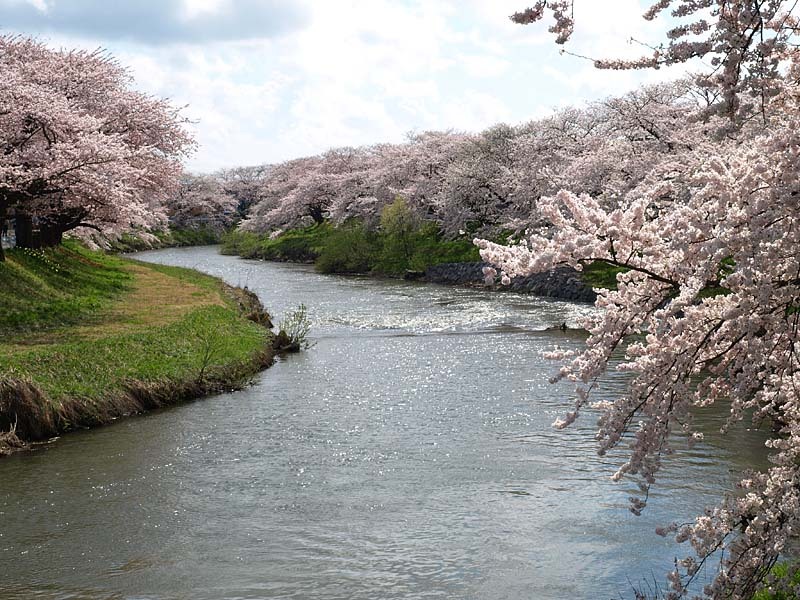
[(408, 454)]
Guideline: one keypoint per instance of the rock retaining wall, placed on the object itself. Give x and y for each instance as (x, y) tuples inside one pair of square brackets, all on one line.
[(563, 282)]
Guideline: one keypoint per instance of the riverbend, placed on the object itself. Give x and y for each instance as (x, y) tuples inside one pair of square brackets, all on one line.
[(408, 454)]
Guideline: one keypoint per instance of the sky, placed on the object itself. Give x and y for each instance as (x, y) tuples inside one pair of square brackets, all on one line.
[(268, 80)]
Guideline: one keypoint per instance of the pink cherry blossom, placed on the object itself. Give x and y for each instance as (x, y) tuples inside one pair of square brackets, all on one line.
[(81, 147)]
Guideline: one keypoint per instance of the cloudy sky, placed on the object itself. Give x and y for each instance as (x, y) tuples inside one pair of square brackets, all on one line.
[(267, 80)]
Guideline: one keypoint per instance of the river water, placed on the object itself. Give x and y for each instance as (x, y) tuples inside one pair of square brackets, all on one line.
[(408, 454)]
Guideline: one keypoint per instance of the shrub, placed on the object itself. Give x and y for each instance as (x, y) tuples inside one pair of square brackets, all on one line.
[(293, 331), (350, 248), (779, 572)]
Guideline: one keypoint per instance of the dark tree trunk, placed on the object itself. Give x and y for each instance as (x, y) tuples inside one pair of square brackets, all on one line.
[(26, 236), (3, 217), (23, 226), (316, 213), (51, 235)]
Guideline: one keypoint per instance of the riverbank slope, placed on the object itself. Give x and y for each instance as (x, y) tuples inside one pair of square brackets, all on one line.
[(86, 338), (422, 255)]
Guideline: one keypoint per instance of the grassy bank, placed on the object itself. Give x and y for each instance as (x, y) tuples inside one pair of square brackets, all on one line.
[(296, 245), (86, 338), (352, 248)]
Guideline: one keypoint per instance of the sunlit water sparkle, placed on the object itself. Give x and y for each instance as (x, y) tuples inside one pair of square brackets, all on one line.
[(408, 454)]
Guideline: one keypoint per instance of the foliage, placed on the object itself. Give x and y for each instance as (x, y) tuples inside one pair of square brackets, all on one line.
[(297, 245), (199, 236), (349, 248), (781, 572), (293, 331), (602, 275), (402, 243), (354, 249), (401, 231)]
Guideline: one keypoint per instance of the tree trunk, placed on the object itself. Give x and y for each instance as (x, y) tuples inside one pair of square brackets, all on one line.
[(51, 235), (24, 230), (3, 217), (315, 212), (26, 238)]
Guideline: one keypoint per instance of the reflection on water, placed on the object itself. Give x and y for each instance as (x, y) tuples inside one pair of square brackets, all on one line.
[(408, 454)]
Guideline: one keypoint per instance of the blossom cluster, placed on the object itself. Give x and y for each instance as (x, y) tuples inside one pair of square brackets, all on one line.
[(707, 310)]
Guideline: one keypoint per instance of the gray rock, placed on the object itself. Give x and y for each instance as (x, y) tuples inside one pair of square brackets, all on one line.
[(563, 282)]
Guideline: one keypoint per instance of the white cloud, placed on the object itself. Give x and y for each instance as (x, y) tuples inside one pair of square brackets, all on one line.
[(40, 5), (366, 71), (196, 8)]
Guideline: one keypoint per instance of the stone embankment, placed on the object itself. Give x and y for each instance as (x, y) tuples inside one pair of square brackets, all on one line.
[(563, 282)]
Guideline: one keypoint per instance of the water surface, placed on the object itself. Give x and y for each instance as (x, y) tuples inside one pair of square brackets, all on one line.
[(408, 454)]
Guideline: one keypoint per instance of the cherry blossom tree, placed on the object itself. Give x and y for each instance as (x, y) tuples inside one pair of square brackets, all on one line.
[(80, 147), (475, 194), (201, 202), (708, 310), (302, 190), (346, 183), (744, 41), (417, 170), (490, 181), (243, 183)]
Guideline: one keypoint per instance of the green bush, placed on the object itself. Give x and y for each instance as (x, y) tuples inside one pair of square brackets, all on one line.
[(240, 243), (293, 332), (191, 237), (296, 245), (779, 571), (350, 248), (402, 242), (401, 232), (602, 275)]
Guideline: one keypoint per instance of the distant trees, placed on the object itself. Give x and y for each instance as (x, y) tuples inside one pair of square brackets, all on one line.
[(491, 181), (80, 148), (202, 202), (243, 183)]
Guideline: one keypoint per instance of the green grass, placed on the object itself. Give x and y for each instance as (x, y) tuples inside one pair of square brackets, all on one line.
[(44, 288), (601, 275), (780, 571), (94, 368), (83, 327)]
